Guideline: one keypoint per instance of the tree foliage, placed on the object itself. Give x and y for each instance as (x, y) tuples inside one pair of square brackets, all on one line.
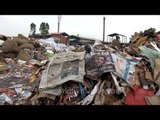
[(44, 28), (32, 29)]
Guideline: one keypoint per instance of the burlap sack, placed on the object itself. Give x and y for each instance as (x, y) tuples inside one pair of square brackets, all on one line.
[(10, 46)]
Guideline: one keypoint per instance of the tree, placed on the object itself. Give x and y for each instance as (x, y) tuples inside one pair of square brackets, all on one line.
[(44, 28), (32, 29), (47, 26)]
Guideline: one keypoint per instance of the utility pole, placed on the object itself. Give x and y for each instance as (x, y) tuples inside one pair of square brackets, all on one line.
[(58, 27), (59, 20), (104, 28)]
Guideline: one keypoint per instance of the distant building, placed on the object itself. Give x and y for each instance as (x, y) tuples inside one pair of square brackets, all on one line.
[(58, 37), (79, 40), (61, 37), (110, 37)]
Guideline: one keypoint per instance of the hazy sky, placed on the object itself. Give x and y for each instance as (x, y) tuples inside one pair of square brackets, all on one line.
[(84, 25)]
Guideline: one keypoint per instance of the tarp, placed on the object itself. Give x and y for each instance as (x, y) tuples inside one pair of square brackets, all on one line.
[(50, 42)]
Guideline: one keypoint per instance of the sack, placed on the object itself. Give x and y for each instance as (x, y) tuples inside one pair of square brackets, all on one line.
[(24, 55), (10, 46)]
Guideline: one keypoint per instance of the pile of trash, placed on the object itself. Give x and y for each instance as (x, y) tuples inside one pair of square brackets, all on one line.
[(43, 72)]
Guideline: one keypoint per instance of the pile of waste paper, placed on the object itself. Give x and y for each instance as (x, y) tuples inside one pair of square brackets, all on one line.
[(44, 72)]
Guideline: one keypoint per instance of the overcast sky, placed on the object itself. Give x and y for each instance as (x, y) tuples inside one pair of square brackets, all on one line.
[(84, 25)]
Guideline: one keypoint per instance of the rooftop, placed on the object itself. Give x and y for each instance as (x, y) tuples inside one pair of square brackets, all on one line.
[(115, 34)]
